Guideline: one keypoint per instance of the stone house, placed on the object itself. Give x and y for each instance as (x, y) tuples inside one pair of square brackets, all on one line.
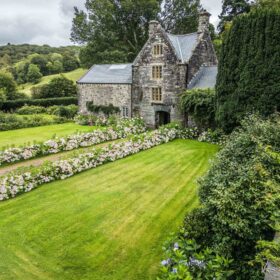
[(151, 85)]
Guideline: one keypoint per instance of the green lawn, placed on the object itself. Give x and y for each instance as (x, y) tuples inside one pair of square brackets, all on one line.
[(73, 75), (29, 135), (107, 223)]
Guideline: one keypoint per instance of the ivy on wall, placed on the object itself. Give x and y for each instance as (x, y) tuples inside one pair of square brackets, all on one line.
[(106, 110), (200, 105)]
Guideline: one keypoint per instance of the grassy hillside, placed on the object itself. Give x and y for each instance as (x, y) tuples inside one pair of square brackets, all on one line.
[(38, 134), (73, 75), (106, 223)]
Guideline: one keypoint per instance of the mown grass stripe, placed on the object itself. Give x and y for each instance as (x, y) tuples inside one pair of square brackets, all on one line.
[(105, 223)]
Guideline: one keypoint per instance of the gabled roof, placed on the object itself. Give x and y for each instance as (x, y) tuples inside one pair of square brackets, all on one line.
[(205, 78), (183, 45), (108, 74)]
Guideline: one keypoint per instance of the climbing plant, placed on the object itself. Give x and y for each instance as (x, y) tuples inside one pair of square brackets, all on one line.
[(106, 110)]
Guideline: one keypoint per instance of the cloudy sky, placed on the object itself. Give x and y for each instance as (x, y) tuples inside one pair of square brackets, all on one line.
[(49, 21)]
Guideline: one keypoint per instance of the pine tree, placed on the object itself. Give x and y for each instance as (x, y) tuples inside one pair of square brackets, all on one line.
[(248, 78)]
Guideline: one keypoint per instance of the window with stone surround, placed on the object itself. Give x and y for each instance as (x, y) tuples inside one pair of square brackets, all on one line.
[(156, 94), (158, 49), (157, 72)]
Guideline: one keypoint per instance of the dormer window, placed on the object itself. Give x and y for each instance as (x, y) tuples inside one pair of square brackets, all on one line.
[(157, 72), (158, 49)]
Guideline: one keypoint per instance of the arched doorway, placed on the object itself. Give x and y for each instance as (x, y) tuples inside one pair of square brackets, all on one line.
[(162, 118)]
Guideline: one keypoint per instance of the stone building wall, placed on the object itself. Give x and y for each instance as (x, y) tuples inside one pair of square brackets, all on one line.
[(204, 53), (105, 94), (172, 83)]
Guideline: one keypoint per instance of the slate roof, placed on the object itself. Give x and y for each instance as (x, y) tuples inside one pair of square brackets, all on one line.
[(108, 74), (184, 45), (205, 78)]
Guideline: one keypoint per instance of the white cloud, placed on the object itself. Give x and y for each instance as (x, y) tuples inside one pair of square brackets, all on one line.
[(214, 7), (37, 21), (49, 21)]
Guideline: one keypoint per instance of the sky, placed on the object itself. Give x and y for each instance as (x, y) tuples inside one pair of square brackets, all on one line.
[(49, 21)]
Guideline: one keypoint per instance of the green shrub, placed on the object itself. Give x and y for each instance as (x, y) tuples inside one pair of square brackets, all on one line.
[(239, 197), (30, 110), (199, 104), (106, 110), (12, 105), (67, 112), (14, 121), (57, 87)]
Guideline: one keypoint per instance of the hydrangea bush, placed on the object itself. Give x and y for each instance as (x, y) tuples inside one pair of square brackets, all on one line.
[(13, 185), (122, 129), (186, 260)]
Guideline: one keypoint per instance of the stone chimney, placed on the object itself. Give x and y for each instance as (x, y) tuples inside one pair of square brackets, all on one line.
[(204, 21), (153, 25)]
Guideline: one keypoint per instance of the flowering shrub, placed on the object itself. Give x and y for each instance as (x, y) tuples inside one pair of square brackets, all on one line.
[(121, 130), (95, 120), (186, 260), (213, 136), (12, 185)]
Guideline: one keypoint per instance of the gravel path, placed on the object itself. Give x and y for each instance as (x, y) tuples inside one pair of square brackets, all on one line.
[(39, 161)]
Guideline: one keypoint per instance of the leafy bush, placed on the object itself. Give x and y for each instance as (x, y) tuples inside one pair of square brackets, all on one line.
[(186, 260), (239, 197), (11, 105), (199, 104), (106, 110), (31, 110), (57, 87), (68, 112), (96, 120), (14, 121)]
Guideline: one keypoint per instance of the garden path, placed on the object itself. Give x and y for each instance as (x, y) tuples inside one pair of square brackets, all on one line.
[(36, 162)]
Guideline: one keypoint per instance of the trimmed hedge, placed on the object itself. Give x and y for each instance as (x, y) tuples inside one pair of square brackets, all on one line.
[(12, 105)]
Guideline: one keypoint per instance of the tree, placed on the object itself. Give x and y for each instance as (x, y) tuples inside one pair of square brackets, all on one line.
[(7, 86), (41, 62), (231, 9), (33, 74), (113, 26), (268, 3), (57, 87), (70, 62), (180, 16), (55, 67), (249, 67)]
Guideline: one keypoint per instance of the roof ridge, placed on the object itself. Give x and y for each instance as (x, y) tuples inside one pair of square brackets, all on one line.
[(113, 64), (181, 35)]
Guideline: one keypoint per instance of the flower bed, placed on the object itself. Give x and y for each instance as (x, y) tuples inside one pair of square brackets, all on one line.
[(13, 185), (124, 128)]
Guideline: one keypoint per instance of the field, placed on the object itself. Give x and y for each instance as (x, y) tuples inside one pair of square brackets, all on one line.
[(106, 223), (38, 134), (73, 75)]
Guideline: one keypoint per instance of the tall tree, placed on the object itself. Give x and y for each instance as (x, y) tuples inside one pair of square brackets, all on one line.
[(180, 16), (249, 67), (117, 28), (231, 9)]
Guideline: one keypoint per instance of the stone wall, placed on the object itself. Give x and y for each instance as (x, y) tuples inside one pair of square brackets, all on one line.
[(204, 53), (273, 272), (172, 82), (104, 94)]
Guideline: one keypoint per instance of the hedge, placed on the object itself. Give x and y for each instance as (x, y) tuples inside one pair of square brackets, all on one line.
[(12, 105)]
